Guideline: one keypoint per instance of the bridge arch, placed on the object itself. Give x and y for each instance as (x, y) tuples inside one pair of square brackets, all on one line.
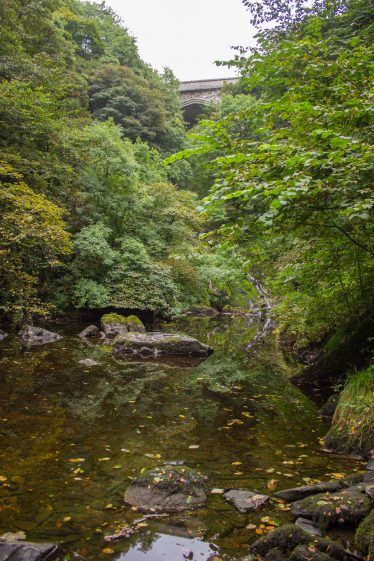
[(198, 94), (193, 107)]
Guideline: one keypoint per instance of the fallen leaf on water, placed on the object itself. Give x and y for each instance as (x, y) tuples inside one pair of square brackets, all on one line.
[(76, 460), (270, 470), (337, 475), (108, 550), (3, 479), (272, 484), (103, 459), (66, 519), (194, 446), (236, 463)]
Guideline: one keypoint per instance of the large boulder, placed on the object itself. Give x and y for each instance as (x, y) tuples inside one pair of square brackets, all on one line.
[(31, 335), (167, 489), (156, 343), (283, 539), (115, 324), (348, 506), (296, 544), (14, 550)]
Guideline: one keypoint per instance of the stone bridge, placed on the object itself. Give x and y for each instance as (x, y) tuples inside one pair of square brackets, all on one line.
[(198, 94)]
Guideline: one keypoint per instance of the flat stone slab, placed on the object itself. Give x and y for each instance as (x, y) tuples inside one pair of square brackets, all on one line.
[(25, 551), (167, 489), (245, 500), (31, 335), (348, 506), (298, 493), (157, 343), (308, 526)]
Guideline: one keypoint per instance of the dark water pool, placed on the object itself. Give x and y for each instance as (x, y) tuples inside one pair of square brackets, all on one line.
[(73, 437)]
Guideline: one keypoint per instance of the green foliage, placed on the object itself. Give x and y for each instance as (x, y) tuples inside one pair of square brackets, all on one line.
[(32, 240), (353, 422), (293, 167)]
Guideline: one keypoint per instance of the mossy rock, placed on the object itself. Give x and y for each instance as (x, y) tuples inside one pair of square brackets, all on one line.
[(116, 324), (365, 536), (135, 324), (345, 507), (167, 489), (275, 555), (113, 318), (292, 542), (283, 539), (304, 553), (156, 343)]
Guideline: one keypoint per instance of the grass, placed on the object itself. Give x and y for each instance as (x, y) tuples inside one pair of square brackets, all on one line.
[(353, 422)]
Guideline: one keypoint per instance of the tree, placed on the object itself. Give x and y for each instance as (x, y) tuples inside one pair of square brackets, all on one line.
[(33, 239)]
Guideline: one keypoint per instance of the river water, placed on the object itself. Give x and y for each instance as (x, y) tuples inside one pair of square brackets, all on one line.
[(72, 438)]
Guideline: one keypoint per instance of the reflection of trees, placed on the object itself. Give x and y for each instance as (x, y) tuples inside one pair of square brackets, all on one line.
[(146, 540)]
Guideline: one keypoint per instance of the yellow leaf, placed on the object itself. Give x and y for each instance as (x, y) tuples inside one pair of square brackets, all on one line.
[(108, 550)]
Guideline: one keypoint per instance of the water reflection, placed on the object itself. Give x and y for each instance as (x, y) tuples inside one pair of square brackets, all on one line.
[(73, 437)]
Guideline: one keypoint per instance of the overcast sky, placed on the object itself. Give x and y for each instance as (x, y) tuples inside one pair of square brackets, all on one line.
[(187, 35)]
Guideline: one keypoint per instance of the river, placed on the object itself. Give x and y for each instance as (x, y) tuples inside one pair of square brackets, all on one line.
[(72, 439)]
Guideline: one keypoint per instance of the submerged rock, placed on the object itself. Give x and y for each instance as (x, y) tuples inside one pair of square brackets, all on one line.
[(3, 334), (156, 343), (89, 362), (167, 489), (90, 331), (298, 493), (14, 550), (37, 335), (348, 506), (245, 500), (115, 324)]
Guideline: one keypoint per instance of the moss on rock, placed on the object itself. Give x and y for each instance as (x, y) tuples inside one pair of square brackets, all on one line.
[(113, 318), (348, 506), (167, 489), (365, 536), (353, 422)]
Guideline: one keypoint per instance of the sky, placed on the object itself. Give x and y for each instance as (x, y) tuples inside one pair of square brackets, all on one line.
[(187, 35)]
